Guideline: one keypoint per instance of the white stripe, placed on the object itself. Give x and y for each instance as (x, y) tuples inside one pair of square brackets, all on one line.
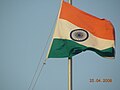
[(64, 27)]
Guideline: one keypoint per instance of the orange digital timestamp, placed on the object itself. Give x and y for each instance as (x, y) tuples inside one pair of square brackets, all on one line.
[(100, 80)]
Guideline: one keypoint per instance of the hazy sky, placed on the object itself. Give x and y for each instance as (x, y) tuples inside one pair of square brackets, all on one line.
[(24, 28)]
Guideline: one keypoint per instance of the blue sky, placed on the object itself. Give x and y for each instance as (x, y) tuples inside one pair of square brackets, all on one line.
[(24, 28)]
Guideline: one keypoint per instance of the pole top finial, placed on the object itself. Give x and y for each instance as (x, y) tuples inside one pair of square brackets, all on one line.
[(70, 1)]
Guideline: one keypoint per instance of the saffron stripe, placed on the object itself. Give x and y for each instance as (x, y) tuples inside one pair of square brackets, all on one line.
[(99, 27)]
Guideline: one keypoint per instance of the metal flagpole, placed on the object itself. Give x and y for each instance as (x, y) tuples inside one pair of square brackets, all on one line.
[(70, 66), (69, 73)]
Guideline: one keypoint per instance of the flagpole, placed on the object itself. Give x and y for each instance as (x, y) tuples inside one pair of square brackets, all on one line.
[(69, 73), (70, 66)]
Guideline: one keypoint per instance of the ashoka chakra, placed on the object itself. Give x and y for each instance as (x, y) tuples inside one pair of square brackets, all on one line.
[(79, 35)]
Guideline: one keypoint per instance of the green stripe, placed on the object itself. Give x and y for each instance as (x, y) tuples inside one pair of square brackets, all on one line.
[(62, 48)]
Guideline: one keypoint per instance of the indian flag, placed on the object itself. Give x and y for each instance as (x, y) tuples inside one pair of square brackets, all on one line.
[(78, 31)]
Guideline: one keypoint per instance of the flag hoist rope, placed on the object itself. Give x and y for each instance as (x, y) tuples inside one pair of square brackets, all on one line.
[(39, 69)]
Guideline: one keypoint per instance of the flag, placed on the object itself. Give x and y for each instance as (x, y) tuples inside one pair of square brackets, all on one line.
[(78, 31)]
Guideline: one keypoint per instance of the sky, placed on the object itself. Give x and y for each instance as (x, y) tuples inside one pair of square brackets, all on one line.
[(24, 29)]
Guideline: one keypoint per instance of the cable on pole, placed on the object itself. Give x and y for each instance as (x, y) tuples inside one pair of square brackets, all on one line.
[(38, 76), (38, 66)]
